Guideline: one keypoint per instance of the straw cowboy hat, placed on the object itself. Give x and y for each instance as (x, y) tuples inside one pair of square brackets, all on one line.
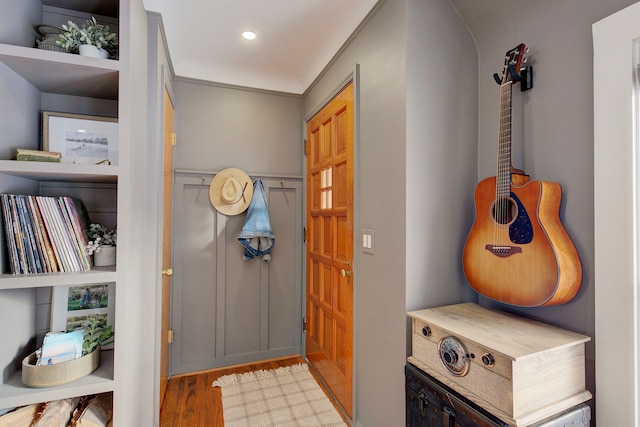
[(231, 191)]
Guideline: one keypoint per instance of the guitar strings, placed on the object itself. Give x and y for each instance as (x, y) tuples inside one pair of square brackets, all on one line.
[(503, 175)]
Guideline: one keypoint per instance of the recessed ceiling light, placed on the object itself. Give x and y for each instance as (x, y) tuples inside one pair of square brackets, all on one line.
[(249, 35)]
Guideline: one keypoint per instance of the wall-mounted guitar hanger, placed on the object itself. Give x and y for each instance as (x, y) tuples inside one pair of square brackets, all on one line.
[(525, 77)]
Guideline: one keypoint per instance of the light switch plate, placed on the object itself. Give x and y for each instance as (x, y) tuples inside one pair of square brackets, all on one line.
[(368, 241)]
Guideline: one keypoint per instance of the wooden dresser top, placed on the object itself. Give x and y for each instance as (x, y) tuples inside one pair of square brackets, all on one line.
[(513, 336)]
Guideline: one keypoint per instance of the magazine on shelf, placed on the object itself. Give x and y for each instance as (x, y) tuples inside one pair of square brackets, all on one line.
[(59, 229), (52, 233), (41, 237), (58, 347), (35, 266), (19, 235), (74, 233), (79, 217), (37, 238), (10, 237), (63, 234), (45, 234)]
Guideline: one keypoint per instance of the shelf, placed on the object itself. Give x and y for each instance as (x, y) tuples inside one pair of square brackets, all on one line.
[(25, 281), (63, 73), (96, 7), (48, 171), (14, 393)]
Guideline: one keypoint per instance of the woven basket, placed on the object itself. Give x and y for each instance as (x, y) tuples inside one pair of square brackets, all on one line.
[(48, 44), (49, 37), (61, 373)]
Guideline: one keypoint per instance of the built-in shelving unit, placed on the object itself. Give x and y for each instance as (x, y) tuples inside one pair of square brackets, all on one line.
[(43, 171), (63, 73), (14, 393), (69, 76), (96, 275)]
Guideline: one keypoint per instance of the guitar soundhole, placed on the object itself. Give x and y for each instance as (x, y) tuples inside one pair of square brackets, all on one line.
[(504, 211)]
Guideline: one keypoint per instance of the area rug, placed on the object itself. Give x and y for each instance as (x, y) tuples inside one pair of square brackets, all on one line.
[(287, 396)]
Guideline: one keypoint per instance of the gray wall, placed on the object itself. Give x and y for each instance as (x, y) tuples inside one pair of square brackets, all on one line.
[(226, 310), (552, 123), (415, 159), (220, 127), (442, 128), (379, 300)]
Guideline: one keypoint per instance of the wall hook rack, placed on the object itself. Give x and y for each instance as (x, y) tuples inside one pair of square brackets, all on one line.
[(525, 77)]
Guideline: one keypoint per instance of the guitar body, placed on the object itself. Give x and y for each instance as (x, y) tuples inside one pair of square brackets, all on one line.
[(533, 261)]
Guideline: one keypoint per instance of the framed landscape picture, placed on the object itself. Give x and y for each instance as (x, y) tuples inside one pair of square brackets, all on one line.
[(81, 139), (72, 306)]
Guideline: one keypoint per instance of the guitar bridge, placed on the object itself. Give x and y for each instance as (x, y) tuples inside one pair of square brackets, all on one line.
[(503, 251)]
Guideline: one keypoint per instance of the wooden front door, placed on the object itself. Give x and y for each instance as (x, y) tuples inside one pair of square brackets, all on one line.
[(167, 272), (329, 293)]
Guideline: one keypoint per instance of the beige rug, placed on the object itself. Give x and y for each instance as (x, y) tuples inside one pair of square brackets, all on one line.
[(287, 396)]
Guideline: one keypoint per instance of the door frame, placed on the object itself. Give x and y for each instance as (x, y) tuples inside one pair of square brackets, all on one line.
[(617, 165), (352, 76), (155, 179)]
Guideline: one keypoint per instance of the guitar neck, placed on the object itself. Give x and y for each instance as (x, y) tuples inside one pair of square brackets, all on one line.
[(503, 175)]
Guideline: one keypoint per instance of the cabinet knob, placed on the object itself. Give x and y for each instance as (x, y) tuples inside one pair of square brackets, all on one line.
[(167, 272), (488, 359)]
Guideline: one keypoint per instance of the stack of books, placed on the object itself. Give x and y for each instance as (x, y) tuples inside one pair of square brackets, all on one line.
[(24, 154), (45, 234)]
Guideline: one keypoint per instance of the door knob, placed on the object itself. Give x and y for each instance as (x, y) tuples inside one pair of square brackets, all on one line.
[(344, 272), (167, 272)]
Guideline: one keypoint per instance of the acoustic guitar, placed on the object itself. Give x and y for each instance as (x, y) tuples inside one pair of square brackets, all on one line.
[(518, 251)]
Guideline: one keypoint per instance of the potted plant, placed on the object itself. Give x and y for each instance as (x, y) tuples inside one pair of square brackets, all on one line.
[(96, 334), (102, 245), (93, 39)]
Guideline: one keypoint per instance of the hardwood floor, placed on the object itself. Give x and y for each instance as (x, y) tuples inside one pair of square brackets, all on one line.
[(191, 401)]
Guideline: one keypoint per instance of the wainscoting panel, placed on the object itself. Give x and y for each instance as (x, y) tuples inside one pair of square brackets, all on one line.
[(227, 310)]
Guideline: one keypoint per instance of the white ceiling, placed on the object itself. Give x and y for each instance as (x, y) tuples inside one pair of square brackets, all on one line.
[(296, 38)]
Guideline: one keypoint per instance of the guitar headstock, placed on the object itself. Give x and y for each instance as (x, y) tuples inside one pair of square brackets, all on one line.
[(513, 61)]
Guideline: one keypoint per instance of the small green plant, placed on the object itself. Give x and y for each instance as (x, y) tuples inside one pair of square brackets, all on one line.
[(96, 334), (91, 33), (99, 236)]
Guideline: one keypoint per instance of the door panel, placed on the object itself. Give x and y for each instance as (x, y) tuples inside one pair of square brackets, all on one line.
[(226, 310), (167, 221), (329, 302)]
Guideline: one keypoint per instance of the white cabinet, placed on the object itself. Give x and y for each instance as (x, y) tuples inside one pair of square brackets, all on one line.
[(33, 80)]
